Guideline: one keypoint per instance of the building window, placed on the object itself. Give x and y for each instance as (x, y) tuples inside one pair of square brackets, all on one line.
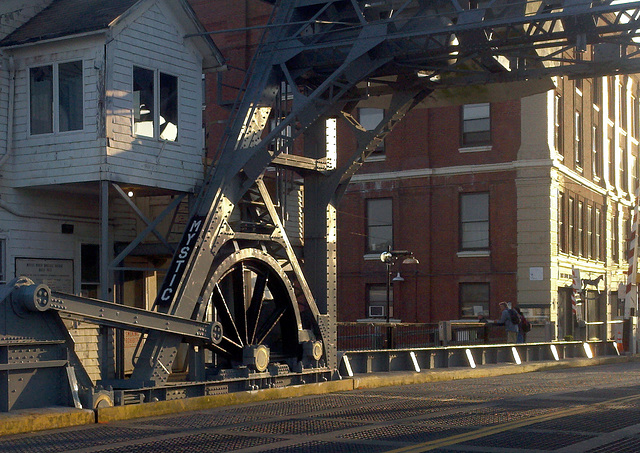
[(624, 170), (627, 235), (611, 95), (635, 127), (589, 245), (370, 118), (622, 103), (596, 151), (474, 221), (377, 301), (3, 262), (56, 98), (580, 224), (562, 223), (557, 123), (89, 270), (615, 237), (474, 300), (612, 157), (634, 173), (379, 225), (572, 232), (598, 253), (476, 124), (577, 139), (151, 88), (596, 91)]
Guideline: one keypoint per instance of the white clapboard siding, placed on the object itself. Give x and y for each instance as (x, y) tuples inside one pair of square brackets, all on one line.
[(152, 41), (57, 158)]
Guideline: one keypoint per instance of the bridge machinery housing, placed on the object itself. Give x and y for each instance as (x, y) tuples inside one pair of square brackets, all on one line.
[(255, 310)]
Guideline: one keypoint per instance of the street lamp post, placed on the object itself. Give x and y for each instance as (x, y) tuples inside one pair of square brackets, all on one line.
[(389, 258)]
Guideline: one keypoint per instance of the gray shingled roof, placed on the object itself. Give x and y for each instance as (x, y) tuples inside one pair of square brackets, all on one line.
[(68, 17)]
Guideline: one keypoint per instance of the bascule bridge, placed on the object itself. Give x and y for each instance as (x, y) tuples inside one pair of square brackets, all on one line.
[(252, 307)]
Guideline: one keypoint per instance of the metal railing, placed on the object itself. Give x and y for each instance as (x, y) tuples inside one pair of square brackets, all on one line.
[(367, 336), (429, 358)]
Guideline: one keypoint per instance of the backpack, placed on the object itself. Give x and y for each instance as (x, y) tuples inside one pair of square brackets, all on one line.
[(515, 317), (524, 324)]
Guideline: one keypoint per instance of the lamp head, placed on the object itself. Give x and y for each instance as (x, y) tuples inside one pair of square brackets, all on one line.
[(411, 260)]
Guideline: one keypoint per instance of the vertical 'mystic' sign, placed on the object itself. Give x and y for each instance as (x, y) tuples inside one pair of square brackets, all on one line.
[(180, 260)]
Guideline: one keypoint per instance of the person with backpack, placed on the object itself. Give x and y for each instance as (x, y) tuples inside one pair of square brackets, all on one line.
[(523, 327), (509, 319)]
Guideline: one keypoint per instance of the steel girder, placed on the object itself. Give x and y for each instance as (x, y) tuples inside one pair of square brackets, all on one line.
[(332, 54)]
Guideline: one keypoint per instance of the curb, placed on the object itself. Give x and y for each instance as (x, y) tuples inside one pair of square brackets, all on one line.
[(110, 414), (28, 420)]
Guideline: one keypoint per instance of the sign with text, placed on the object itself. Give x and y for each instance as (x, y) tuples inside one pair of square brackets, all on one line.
[(57, 274)]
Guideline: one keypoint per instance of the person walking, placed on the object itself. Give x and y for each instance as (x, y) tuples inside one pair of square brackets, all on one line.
[(506, 321)]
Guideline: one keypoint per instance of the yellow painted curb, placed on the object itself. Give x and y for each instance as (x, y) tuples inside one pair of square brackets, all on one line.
[(110, 414), (27, 420)]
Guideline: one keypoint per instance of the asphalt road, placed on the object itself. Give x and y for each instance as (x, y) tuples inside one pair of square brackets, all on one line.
[(590, 409)]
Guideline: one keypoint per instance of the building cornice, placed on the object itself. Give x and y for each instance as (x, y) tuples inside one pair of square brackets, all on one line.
[(460, 170), (450, 171)]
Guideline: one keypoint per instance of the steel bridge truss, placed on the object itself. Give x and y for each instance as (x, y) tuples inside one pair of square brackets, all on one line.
[(236, 290)]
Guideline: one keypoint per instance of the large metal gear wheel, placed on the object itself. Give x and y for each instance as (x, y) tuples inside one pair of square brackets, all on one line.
[(256, 305)]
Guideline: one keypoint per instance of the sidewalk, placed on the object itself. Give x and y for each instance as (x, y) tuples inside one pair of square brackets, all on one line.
[(28, 420)]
